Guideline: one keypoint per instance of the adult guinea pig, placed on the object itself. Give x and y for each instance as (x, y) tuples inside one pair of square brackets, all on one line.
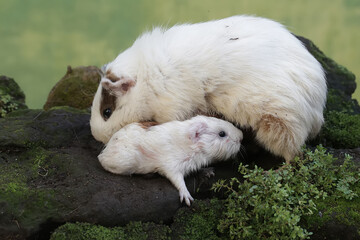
[(250, 70), (172, 149)]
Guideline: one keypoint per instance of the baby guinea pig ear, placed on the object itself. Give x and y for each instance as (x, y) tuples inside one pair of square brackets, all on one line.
[(196, 130), (119, 87)]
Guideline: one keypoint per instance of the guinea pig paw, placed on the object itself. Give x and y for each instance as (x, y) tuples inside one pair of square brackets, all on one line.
[(187, 197)]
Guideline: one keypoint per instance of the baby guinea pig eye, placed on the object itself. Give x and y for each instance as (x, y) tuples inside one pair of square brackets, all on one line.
[(222, 134), (107, 113)]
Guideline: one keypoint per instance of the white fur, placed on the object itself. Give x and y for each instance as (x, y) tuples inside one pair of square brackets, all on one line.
[(249, 69), (173, 149)]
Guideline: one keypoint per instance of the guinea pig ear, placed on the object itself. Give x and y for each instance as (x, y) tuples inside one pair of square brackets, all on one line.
[(119, 87), (196, 130)]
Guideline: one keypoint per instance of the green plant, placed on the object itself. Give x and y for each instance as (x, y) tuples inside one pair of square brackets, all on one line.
[(272, 204), (6, 104), (132, 231), (341, 130), (82, 231), (199, 221)]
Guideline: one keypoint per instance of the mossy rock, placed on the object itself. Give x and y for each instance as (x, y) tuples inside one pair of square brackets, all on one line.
[(76, 89), (50, 174), (336, 217), (341, 130), (198, 222), (342, 120), (57, 127), (24, 204), (11, 96), (339, 79), (132, 231)]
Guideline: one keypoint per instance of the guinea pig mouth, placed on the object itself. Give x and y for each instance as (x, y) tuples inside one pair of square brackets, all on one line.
[(236, 148)]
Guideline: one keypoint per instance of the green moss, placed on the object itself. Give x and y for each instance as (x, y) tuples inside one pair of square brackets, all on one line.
[(86, 231), (341, 130), (334, 212), (199, 221), (24, 202), (39, 160), (328, 64), (336, 102), (132, 231), (139, 230), (340, 210), (342, 126)]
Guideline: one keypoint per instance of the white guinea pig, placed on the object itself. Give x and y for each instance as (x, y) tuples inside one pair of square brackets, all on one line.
[(173, 149), (250, 70)]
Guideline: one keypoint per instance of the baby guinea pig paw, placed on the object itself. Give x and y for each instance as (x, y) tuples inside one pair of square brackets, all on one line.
[(185, 195)]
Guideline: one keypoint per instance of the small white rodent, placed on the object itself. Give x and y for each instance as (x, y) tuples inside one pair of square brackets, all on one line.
[(173, 149), (250, 70)]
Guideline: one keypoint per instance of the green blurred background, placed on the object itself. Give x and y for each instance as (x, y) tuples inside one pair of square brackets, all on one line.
[(40, 38)]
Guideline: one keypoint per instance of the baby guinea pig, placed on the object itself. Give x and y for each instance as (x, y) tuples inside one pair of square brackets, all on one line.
[(173, 149), (250, 70)]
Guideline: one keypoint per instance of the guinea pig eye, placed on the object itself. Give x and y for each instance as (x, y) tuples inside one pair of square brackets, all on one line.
[(222, 134), (107, 113)]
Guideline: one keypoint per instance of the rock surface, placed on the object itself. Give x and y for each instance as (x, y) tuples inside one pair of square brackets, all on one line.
[(50, 175), (55, 156), (76, 89)]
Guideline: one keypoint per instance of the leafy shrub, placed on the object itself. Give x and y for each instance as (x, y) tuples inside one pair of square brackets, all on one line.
[(272, 204)]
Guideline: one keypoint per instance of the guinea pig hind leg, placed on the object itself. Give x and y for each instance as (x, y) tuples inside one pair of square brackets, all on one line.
[(279, 137), (177, 179)]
